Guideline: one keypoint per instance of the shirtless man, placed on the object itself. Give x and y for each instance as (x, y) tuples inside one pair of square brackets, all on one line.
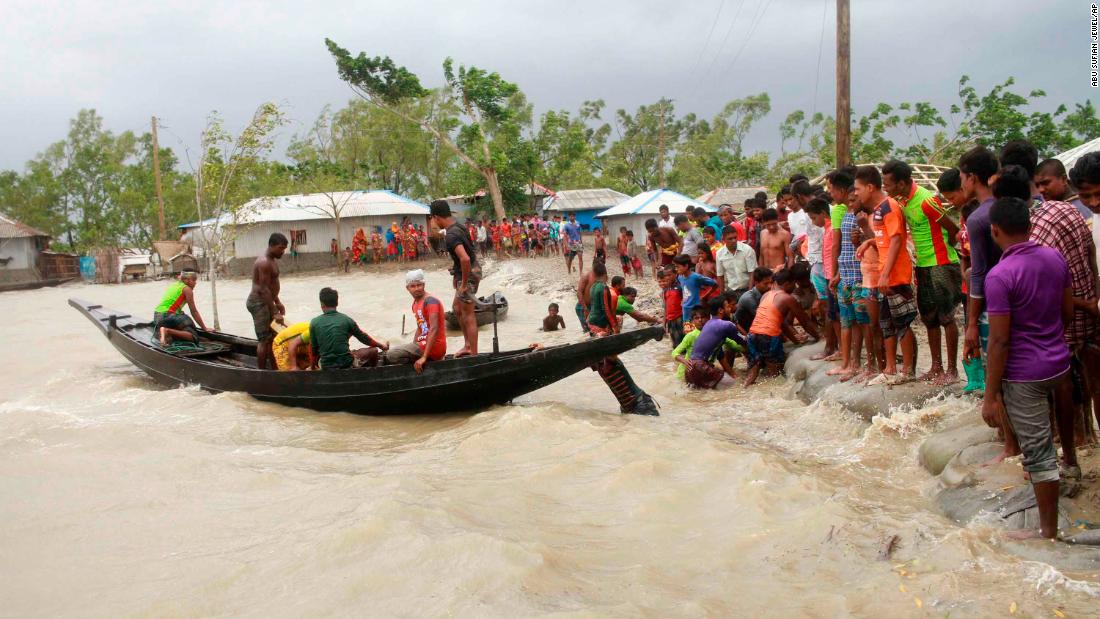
[(775, 243), (665, 240), (263, 301), (584, 287)]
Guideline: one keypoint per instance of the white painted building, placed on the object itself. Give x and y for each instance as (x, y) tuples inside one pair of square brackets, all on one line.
[(633, 212), (306, 219), (20, 246)]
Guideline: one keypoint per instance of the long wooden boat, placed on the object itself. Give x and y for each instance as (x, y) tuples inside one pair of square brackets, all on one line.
[(467, 383)]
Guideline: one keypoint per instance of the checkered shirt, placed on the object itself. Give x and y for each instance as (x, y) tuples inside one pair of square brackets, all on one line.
[(1059, 225)]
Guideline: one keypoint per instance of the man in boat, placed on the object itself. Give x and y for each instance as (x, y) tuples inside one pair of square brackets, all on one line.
[(263, 301), (329, 334), (169, 321), (291, 348), (430, 343), (465, 271)]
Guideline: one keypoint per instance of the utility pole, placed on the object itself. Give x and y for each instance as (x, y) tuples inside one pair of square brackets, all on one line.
[(843, 84), (156, 180), (661, 145)]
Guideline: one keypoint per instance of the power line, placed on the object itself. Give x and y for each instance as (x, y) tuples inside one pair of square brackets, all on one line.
[(748, 37), (703, 48), (721, 48)]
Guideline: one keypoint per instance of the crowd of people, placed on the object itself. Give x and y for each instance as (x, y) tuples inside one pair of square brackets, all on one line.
[(858, 260), (1005, 247), (406, 242)]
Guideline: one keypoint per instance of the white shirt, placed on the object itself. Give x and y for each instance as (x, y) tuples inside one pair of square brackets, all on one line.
[(798, 222), (666, 223), (815, 238), (736, 267), (482, 235)]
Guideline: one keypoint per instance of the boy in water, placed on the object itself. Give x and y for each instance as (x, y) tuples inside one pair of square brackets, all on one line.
[(1029, 299), (553, 320), (708, 344)]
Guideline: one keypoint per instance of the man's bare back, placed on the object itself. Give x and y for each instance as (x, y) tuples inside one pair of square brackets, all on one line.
[(773, 248)]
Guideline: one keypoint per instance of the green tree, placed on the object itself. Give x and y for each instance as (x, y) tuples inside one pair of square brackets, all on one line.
[(645, 140), (225, 180), (481, 96)]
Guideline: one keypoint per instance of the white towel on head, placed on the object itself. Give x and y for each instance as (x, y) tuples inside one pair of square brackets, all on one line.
[(416, 275)]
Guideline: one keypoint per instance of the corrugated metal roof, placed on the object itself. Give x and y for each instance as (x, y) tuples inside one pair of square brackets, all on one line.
[(734, 196), (303, 207), (649, 203), (12, 229), (585, 200), (1071, 156)]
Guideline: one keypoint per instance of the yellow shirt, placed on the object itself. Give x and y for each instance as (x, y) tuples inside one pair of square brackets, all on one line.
[(298, 328)]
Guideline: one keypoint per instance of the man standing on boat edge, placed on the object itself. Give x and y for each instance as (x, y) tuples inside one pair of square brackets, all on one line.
[(263, 301), (465, 271)]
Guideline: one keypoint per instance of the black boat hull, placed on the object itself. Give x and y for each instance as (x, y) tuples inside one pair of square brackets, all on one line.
[(449, 385)]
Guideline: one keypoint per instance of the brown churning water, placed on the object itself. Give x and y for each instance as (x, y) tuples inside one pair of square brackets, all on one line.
[(118, 498)]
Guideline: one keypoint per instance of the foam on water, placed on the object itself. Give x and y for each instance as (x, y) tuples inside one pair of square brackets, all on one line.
[(134, 499)]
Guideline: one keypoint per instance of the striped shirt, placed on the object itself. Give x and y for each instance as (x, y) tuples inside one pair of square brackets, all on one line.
[(923, 214)]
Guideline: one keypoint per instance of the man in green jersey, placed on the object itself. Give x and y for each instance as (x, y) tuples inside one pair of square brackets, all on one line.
[(939, 279), (329, 334), (169, 321)]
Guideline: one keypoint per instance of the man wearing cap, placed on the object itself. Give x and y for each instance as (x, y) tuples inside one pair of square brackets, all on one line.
[(465, 271), (430, 340), (169, 321)]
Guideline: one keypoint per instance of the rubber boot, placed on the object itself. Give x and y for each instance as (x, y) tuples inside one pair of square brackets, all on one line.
[(975, 375), (632, 400)]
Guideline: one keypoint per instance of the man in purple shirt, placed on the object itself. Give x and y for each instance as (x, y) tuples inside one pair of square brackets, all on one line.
[(1029, 298), (700, 369)]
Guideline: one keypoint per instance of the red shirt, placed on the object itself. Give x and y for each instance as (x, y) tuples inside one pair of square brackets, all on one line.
[(674, 301), (422, 309)]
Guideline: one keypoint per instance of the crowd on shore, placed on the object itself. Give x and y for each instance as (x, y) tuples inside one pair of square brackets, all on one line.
[(854, 261), (857, 260)]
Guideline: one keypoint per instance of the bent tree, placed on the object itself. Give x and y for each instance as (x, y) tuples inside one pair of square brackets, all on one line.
[(482, 96)]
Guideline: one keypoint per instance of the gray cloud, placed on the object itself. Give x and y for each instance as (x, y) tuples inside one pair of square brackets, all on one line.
[(180, 60)]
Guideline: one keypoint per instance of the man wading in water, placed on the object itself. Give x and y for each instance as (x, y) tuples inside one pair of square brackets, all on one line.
[(263, 302), (465, 271)]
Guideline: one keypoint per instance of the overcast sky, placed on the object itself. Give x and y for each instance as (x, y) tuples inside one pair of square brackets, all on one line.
[(181, 59)]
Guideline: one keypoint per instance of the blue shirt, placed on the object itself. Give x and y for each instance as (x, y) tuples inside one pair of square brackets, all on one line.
[(572, 232), (691, 285), (712, 337), (716, 223)]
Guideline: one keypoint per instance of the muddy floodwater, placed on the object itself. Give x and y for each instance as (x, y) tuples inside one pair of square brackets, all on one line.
[(119, 498)]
